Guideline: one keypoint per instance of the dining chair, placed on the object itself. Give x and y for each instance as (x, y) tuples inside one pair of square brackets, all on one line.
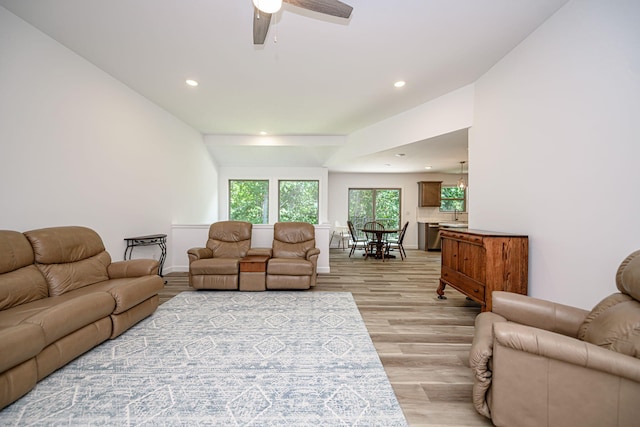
[(341, 233), (356, 239), (397, 243)]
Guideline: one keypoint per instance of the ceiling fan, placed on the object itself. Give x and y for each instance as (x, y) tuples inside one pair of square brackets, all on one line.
[(263, 9)]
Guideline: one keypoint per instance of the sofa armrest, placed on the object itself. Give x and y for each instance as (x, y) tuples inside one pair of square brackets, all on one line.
[(566, 349), (133, 268), (547, 315), (20, 343), (480, 359), (199, 253), (260, 251), (312, 252)]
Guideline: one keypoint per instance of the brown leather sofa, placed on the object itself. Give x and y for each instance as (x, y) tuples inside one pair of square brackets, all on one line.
[(294, 256), (539, 363), (60, 296)]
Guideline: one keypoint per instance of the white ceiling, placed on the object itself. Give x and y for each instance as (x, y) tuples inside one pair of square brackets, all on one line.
[(323, 76)]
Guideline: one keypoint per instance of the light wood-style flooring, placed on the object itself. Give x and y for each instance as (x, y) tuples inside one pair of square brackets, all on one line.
[(423, 342)]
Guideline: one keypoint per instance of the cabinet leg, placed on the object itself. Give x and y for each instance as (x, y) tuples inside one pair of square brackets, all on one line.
[(440, 290)]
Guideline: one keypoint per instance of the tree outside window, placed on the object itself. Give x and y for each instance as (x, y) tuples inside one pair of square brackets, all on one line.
[(375, 204), (298, 201), (452, 199), (249, 201)]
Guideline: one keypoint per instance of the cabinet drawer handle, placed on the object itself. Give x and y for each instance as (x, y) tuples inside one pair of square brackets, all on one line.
[(476, 290), (466, 259)]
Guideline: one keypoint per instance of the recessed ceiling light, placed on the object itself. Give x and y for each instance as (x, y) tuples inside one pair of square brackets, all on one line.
[(427, 167), (400, 155), (400, 83), (192, 83), (262, 132)]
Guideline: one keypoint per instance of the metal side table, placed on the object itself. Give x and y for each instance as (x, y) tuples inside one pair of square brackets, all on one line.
[(150, 240)]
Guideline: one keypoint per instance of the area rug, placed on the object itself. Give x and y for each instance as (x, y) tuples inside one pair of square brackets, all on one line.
[(225, 359)]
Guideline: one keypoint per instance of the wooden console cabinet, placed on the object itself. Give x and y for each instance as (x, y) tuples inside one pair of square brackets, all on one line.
[(477, 263)]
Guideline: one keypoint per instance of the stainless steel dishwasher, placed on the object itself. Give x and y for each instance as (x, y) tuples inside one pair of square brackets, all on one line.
[(433, 236)]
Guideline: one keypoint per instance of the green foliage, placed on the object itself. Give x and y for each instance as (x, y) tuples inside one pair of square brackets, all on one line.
[(299, 201), (388, 208), (249, 201), (371, 204), (453, 198)]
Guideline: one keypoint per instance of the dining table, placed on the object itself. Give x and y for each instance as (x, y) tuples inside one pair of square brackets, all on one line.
[(380, 240)]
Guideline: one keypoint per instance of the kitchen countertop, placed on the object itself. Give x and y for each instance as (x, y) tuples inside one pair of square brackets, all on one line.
[(444, 222)]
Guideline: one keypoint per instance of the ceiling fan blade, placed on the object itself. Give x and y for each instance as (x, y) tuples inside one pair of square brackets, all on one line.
[(261, 23), (328, 7)]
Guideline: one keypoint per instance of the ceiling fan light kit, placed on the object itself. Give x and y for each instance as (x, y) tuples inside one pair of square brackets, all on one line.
[(263, 9)]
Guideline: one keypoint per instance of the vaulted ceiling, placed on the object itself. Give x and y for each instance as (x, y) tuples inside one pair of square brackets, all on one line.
[(323, 76)]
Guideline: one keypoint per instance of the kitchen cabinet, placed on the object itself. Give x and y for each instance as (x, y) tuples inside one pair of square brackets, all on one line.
[(429, 193), (477, 263)]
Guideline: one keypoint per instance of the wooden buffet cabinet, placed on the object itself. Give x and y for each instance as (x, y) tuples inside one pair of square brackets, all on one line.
[(477, 263)]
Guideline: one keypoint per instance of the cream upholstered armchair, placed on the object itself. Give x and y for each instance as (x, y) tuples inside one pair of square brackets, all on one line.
[(217, 265), (539, 363), (294, 256)]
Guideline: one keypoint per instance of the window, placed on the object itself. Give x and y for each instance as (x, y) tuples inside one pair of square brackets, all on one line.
[(298, 201), (249, 201), (453, 199), (374, 204)]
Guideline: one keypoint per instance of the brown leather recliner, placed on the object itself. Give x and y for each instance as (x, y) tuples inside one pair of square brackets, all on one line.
[(538, 363), (294, 256), (217, 265)]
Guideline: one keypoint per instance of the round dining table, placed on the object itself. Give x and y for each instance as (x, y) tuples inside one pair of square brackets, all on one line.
[(380, 233)]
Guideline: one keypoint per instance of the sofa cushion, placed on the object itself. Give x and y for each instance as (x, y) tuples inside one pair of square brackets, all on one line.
[(58, 245), (628, 276), (68, 316), (229, 239), (69, 257), (614, 324), (126, 292), (293, 239), (289, 267), (20, 280), (215, 266)]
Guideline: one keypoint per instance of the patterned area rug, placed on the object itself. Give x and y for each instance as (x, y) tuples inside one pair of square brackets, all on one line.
[(225, 359)]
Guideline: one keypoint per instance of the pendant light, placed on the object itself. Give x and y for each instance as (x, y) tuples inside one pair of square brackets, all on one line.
[(461, 184), (268, 6)]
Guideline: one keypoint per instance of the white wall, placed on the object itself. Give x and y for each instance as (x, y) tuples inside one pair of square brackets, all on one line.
[(555, 145), (77, 147), (339, 184)]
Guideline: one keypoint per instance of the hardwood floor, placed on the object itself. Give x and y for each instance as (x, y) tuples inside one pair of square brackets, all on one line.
[(423, 342)]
